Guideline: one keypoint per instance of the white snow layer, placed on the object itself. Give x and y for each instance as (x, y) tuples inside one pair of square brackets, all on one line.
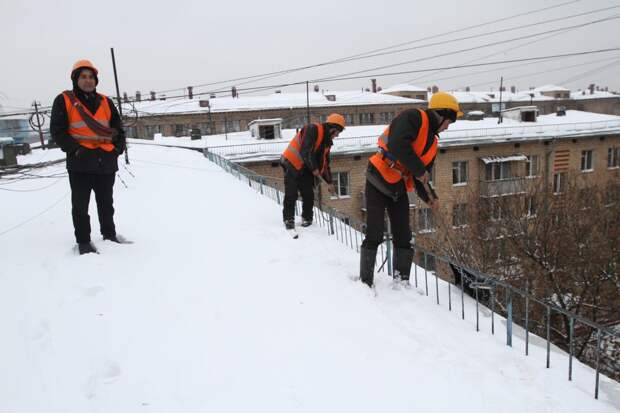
[(215, 309)]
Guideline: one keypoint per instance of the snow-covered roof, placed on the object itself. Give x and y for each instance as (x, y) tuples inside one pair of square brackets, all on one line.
[(403, 87), (276, 326), (6, 140), (265, 121), (597, 94), (551, 88), (273, 101), (243, 147)]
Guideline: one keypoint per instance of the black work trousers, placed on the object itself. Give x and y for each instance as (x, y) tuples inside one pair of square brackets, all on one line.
[(294, 184), (81, 186), (398, 213)]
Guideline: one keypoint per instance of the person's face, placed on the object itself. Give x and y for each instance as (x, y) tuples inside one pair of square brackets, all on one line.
[(445, 124), (86, 80), (334, 133)]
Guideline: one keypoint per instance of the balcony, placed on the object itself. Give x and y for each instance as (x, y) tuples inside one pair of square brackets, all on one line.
[(503, 187)]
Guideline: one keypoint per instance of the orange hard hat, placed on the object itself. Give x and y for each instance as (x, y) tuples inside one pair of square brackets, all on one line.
[(83, 63), (336, 119)]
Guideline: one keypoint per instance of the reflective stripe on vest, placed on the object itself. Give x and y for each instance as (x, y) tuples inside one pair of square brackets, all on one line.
[(394, 171), (82, 133), (293, 152)]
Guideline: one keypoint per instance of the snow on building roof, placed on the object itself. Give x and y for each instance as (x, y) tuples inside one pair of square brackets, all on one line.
[(597, 94), (551, 88), (239, 321), (403, 87), (362, 139), (273, 101)]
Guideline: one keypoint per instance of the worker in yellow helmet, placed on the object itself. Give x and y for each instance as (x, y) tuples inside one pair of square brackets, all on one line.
[(305, 160), (405, 155)]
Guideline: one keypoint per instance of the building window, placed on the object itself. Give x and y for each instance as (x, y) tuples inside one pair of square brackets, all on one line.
[(613, 157), (459, 173), (428, 262), (496, 171), (425, 220), (386, 117), (559, 183), (532, 165), (367, 118), (341, 183), (179, 130), (459, 215), (586, 161), (348, 118), (323, 118)]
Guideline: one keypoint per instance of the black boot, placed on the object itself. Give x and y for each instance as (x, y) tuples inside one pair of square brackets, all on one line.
[(403, 259), (367, 265), (86, 248)]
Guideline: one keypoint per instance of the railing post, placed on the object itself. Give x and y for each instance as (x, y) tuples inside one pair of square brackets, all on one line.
[(492, 294), (425, 273), (527, 327), (571, 326), (436, 282), (462, 294), (388, 244), (477, 309), (548, 336), (598, 361), (508, 318)]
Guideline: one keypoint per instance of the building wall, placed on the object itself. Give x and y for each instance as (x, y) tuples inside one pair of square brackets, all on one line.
[(451, 194), (238, 120), (180, 124)]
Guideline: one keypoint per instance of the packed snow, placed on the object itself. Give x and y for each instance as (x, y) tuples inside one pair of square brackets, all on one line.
[(215, 308)]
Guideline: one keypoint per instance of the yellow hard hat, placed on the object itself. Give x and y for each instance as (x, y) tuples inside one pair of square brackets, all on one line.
[(443, 100), (336, 119)]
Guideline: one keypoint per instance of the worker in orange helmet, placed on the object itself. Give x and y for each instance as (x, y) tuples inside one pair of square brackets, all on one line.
[(87, 127), (306, 160)]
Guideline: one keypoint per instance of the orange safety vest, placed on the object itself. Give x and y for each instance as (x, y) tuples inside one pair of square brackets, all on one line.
[(82, 133), (394, 171), (293, 151)]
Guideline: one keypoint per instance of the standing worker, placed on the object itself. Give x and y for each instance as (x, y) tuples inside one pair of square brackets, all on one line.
[(306, 159), (87, 127), (404, 160)]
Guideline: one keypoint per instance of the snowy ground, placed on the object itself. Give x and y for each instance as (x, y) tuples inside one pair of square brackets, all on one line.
[(215, 309)]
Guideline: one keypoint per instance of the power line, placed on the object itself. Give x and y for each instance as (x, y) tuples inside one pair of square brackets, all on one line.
[(386, 74), (475, 47), (349, 58), (540, 72)]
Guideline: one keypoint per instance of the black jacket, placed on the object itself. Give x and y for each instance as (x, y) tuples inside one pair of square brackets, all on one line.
[(313, 159), (403, 130), (86, 160)]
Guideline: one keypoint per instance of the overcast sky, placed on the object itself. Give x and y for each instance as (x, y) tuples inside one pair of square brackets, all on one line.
[(174, 44)]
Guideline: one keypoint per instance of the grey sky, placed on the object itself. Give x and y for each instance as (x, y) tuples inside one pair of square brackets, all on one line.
[(179, 43)]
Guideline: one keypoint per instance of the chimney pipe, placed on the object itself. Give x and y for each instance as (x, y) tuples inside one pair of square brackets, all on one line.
[(125, 97), (374, 85), (138, 96), (190, 92), (153, 97)]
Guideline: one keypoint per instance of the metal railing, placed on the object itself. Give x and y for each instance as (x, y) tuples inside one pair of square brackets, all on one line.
[(483, 288)]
